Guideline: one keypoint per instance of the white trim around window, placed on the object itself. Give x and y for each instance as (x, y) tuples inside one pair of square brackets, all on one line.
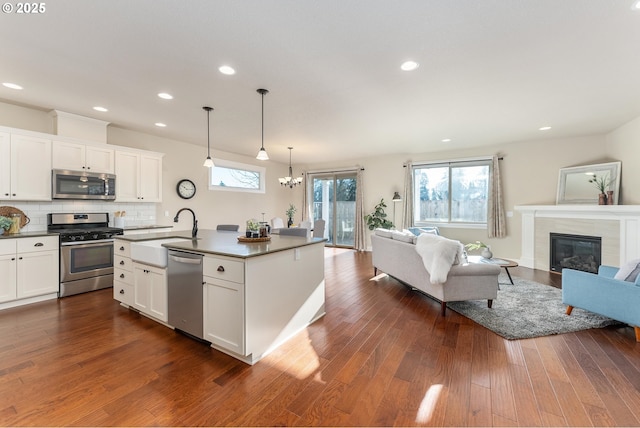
[(230, 176)]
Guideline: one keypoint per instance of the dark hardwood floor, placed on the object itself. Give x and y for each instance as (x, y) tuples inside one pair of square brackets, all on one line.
[(382, 356)]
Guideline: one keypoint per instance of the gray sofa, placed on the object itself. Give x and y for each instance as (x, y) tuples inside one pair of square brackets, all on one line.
[(400, 260)]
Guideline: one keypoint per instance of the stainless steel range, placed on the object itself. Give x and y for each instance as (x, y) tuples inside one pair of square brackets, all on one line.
[(86, 251)]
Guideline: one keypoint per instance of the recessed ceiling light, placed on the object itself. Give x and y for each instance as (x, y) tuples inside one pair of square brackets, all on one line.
[(165, 96), (635, 6), (161, 125), (409, 66), (12, 85), (545, 128), (446, 140), (225, 69), (98, 108)]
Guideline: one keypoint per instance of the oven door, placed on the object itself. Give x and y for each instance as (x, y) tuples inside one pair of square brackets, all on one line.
[(86, 260)]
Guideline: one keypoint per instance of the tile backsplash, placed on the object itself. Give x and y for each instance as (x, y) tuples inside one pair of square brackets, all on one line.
[(137, 214)]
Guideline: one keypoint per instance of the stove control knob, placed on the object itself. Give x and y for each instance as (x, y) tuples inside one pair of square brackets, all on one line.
[(95, 236), (72, 238)]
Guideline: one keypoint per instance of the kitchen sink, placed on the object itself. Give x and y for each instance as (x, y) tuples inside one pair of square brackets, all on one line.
[(152, 252)]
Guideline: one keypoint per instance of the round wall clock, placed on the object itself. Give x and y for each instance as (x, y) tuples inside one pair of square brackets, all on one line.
[(186, 189)]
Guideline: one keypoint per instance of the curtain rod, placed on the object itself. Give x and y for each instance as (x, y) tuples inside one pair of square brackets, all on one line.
[(404, 165), (335, 170)]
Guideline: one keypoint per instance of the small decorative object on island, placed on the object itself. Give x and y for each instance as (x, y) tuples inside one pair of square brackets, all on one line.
[(290, 212), (253, 229), (485, 249), (378, 218), (5, 224), (602, 184)]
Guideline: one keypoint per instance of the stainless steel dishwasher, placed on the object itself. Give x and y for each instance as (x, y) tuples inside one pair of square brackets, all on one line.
[(185, 310)]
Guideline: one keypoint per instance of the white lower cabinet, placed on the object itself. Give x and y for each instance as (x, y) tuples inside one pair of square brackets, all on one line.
[(224, 314), (29, 267), (150, 290)]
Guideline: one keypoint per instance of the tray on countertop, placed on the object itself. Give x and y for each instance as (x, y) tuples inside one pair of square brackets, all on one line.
[(245, 239)]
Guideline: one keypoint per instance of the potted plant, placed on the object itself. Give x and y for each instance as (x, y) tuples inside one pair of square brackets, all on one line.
[(5, 224), (485, 249), (253, 228), (378, 218), (290, 212)]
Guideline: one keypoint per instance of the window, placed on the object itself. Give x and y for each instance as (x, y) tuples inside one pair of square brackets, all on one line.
[(236, 177), (454, 192)]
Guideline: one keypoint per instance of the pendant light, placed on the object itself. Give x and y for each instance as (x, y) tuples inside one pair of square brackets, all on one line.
[(208, 162), (262, 153), (289, 180)]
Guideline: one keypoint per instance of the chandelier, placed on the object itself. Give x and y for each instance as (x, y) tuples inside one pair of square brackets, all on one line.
[(289, 180)]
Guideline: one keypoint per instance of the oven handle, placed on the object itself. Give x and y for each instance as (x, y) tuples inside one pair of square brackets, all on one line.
[(87, 243)]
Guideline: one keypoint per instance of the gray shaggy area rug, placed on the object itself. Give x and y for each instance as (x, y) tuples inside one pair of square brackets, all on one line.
[(528, 309)]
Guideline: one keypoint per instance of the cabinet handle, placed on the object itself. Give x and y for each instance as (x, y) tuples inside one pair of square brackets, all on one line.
[(13, 194), (38, 244), (6, 194), (121, 291), (121, 275), (220, 268), (121, 248), (13, 258), (121, 262), (19, 258)]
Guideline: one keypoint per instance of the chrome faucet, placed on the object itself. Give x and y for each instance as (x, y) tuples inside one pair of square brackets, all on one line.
[(194, 231)]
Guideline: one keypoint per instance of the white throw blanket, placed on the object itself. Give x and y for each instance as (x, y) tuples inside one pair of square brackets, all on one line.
[(438, 255)]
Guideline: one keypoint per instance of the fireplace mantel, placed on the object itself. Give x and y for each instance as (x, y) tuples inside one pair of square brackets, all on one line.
[(625, 217)]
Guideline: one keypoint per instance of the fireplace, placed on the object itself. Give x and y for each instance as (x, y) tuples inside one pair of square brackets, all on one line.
[(577, 252)]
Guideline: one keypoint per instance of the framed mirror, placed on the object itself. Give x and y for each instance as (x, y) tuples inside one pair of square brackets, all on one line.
[(574, 186)]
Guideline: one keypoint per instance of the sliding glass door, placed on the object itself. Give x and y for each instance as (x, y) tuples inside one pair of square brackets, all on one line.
[(333, 198)]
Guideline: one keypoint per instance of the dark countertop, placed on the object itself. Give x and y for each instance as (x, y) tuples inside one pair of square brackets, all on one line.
[(225, 243), (27, 234)]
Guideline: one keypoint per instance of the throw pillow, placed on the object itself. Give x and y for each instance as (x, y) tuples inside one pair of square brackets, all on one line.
[(402, 236), (385, 233), (629, 272), (418, 230)]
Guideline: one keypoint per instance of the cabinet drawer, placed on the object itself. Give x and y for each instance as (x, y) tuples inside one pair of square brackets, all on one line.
[(7, 246), (122, 275), (220, 268), (42, 243), (123, 292), (122, 248), (123, 263)]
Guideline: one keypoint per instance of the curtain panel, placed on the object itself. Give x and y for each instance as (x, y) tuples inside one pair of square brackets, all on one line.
[(407, 205), (496, 221)]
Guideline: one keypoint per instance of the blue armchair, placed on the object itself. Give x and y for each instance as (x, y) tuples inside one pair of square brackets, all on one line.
[(602, 294)]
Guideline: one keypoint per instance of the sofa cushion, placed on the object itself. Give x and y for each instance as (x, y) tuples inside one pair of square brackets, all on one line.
[(403, 236), (629, 272), (385, 233)]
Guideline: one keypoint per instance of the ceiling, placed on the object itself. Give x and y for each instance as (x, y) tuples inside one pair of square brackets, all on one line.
[(491, 71)]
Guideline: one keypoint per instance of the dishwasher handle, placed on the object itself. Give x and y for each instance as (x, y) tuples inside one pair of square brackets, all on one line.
[(186, 260)]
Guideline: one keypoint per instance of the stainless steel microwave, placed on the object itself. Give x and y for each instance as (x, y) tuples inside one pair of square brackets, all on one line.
[(82, 185)]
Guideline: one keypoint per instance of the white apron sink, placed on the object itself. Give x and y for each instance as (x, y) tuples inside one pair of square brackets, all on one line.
[(152, 252)]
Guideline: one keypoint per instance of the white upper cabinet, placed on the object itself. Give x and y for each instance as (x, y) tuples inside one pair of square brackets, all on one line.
[(25, 167), (138, 177), (81, 157)]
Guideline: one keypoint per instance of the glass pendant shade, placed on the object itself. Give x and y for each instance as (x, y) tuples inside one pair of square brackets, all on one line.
[(262, 154)]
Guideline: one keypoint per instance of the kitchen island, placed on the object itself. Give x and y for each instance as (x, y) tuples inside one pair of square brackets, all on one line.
[(255, 295)]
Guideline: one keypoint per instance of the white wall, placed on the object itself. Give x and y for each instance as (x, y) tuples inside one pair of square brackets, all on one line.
[(181, 160), (624, 144), (529, 171)]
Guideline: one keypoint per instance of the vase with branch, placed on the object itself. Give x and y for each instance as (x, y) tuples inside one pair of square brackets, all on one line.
[(290, 212), (602, 184)]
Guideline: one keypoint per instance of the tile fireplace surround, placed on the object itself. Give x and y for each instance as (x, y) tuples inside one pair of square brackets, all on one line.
[(617, 225)]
